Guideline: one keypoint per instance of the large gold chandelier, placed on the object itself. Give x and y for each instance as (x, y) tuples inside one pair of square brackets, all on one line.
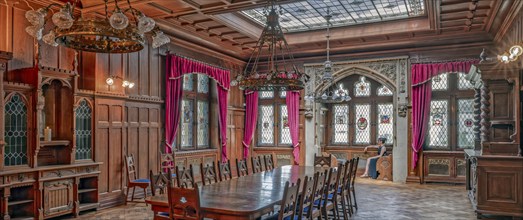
[(277, 71), (122, 31)]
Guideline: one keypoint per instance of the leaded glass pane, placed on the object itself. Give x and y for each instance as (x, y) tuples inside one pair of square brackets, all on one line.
[(383, 91), (340, 124), (362, 87), (440, 82), (15, 132), (285, 132), (266, 125), (386, 122), (362, 125), (187, 124), (464, 84), (266, 94), (465, 123), (203, 83), (188, 82), (283, 94), (203, 124), (83, 131), (438, 125)]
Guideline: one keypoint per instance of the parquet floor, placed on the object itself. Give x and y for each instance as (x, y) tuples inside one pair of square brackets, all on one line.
[(376, 200)]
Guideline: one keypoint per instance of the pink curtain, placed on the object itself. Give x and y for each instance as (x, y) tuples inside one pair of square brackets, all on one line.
[(176, 67), (251, 116), (421, 96), (293, 114)]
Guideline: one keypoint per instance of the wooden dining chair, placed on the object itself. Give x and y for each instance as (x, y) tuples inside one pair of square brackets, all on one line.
[(159, 182), (185, 177), (241, 167), (132, 179), (337, 197), (208, 173), (184, 203), (167, 163), (330, 190), (256, 164), (306, 200), (351, 186), (225, 171), (345, 190), (289, 202), (323, 161), (319, 190), (269, 162)]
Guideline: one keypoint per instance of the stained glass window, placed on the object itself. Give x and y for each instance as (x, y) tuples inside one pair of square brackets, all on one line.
[(187, 123), (440, 82), (266, 94), (203, 83), (15, 131), (438, 124), (362, 123), (340, 124), (266, 125), (83, 131), (463, 83), (285, 132), (188, 82), (383, 91), (283, 94), (362, 87), (466, 123), (203, 124), (386, 122), (308, 15)]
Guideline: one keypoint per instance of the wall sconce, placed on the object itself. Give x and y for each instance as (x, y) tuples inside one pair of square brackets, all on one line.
[(512, 55), (110, 81)]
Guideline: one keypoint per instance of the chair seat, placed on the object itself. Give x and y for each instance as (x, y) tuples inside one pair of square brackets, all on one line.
[(306, 209), (322, 202), (141, 181), (173, 175), (275, 216), (163, 214)]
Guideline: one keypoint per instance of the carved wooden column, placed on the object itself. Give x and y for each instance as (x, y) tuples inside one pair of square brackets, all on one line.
[(485, 113), (477, 119)]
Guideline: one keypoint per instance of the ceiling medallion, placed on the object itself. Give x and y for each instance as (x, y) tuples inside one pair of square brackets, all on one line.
[(271, 65), (335, 92), (122, 31)]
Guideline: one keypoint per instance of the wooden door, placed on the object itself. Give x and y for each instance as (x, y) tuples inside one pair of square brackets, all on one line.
[(58, 197)]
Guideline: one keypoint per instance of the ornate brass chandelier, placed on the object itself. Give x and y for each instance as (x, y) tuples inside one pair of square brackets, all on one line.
[(122, 31), (335, 92), (277, 70)]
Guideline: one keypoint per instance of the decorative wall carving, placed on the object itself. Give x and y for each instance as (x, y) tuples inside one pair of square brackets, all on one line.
[(485, 112)]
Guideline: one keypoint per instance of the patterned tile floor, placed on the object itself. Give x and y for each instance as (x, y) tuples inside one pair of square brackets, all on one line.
[(376, 200)]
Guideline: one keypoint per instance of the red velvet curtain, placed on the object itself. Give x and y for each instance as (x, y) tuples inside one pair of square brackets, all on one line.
[(176, 67), (421, 96), (251, 116), (293, 113)]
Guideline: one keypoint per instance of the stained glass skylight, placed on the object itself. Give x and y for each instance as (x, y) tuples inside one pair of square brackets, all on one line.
[(309, 14)]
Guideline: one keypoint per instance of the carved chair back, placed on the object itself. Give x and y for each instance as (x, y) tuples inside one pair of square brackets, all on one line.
[(241, 167), (167, 162), (208, 173), (331, 183), (130, 168), (307, 197), (290, 200), (354, 170), (319, 188), (269, 162), (158, 182), (225, 171), (321, 161), (185, 177), (184, 203), (256, 164)]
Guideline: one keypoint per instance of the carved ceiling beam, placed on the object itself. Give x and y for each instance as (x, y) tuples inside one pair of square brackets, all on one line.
[(111, 6)]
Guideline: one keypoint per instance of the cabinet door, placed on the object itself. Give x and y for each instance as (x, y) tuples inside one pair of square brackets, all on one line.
[(58, 197)]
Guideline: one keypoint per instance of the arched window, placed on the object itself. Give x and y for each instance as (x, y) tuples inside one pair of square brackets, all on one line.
[(15, 131), (194, 131), (273, 124), (365, 118), (83, 131), (451, 121)]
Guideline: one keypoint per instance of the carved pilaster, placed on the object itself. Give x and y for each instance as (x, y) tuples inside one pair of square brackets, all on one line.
[(477, 118), (485, 113)]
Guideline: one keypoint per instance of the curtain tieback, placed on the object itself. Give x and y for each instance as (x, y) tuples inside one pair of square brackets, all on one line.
[(245, 144), (296, 145)]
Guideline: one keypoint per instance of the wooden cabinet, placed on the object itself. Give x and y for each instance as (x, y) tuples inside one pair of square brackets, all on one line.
[(444, 166), (58, 198)]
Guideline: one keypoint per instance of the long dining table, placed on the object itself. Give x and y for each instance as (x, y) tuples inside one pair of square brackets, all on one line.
[(246, 197)]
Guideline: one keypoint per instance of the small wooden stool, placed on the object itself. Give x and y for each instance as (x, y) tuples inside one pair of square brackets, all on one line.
[(384, 167)]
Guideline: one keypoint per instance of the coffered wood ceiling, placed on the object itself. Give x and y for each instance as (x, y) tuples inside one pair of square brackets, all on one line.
[(219, 25)]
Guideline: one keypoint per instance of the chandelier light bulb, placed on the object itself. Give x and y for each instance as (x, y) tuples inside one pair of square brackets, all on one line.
[(504, 58), (63, 19), (125, 83), (234, 82), (160, 39), (49, 39), (516, 50), (131, 85), (35, 32), (109, 81), (36, 18), (118, 20), (324, 96), (334, 96), (145, 24)]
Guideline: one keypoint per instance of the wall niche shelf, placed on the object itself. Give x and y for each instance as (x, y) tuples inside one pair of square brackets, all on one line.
[(54, 143)]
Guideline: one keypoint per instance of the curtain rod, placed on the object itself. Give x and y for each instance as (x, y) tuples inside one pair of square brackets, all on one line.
[(418, 60), (195, 60)]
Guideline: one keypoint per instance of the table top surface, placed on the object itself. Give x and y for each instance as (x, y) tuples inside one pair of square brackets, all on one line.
[(247, 194)]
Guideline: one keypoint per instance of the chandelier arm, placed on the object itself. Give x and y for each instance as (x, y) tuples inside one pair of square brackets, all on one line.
[(116, 5), (133, 10), (106, 9)]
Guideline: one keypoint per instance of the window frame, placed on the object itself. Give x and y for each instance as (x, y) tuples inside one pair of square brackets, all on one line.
[(277, 101), (195, 96), (91, 107), (29, 133), (452, 94), (375, 100)]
